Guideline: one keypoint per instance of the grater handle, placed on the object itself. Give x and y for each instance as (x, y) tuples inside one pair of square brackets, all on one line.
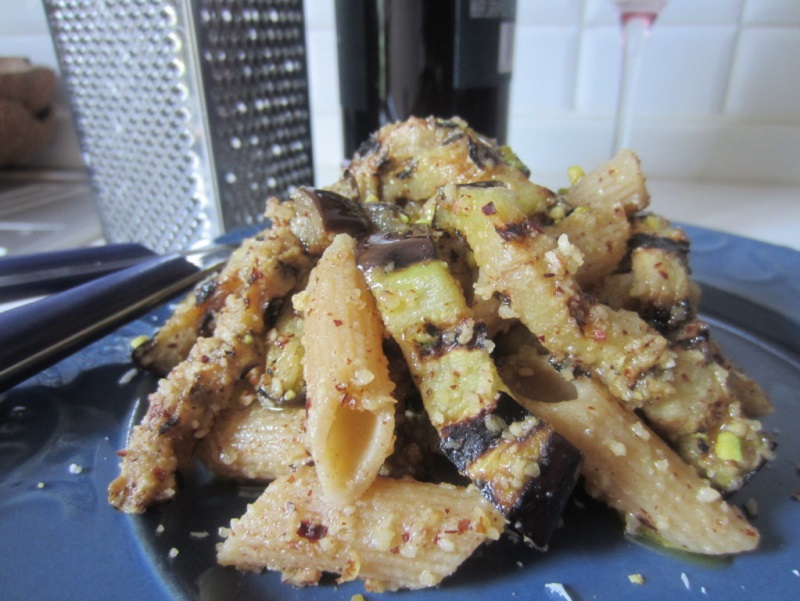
[(36, 335)]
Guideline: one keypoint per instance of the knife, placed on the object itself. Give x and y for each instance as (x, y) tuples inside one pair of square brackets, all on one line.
[(40, 333)]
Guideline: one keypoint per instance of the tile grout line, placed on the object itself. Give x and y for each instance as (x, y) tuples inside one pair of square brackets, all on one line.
[(723, 108)]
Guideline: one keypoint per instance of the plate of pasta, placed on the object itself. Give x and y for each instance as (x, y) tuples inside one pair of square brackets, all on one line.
[(433, 377)]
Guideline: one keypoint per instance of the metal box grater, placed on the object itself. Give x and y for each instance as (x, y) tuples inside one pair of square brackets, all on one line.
[(190, 113)]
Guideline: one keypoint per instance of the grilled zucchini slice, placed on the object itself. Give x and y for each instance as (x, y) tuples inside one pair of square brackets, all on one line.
[(535, 275), (519, 462), (709, 416)]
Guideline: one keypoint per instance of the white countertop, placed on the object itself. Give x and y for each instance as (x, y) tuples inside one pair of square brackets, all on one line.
[(762, 212)]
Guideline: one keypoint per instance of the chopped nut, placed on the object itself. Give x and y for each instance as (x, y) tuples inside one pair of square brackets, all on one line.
[(139, 341), (707, 494), (558, 589)]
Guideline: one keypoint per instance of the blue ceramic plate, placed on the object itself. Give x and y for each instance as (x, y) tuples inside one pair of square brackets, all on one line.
[(59, 433)]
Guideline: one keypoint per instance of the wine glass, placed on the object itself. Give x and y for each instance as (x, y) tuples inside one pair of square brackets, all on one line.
[(636, 20)]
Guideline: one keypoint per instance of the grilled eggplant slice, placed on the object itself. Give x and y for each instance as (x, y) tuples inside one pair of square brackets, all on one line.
[(281, 383), (195, 315), (406, 164), (525, 468), (705, 418), (535, 274), (183, 408), (321, 214)]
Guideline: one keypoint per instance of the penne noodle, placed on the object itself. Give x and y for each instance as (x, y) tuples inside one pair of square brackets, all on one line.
[(599, 204), (399, 534), (255, 443), (630, 468), (618, 182), (635, 472), (349, 404)]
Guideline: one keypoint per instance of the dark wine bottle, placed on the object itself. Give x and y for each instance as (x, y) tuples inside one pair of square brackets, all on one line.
[(445, 58)]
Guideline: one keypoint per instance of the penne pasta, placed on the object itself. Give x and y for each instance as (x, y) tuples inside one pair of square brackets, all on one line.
[(595, 218), (617, 182), (293, 527), (635, 472), (349, 405), (629, 467), (255, 443)]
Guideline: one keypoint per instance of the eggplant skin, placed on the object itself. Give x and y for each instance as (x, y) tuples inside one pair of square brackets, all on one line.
[(396, 249), (538, 512), (534, 509), (464, 441), (507, 452), (337, 213)]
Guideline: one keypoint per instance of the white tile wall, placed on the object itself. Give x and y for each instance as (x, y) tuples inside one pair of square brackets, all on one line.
[(720, 97)]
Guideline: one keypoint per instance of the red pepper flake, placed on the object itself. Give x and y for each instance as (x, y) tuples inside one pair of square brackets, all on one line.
[(337, 322), (312, 532), (489, 209), (535, 226), (599, 335), (255, 275)]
